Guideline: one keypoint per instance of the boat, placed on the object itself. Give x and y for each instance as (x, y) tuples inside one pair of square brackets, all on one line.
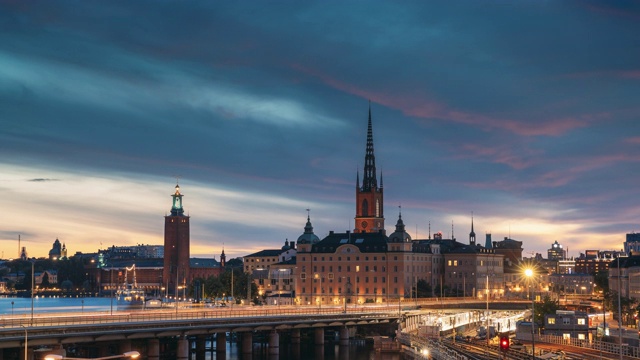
[(129, 295), (153, 304)]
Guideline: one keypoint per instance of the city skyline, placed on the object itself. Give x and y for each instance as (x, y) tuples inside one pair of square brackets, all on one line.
[(523, 114)]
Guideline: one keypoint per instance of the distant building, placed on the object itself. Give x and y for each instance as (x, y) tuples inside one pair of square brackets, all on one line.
[(594, 261), (264, 259), (556, 252), (632, 243), (136, 252), (510, 249), (581, 284), (624, 276), (51, 275)]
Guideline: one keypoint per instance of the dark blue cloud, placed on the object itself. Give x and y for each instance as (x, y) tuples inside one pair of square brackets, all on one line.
[(524, 113)]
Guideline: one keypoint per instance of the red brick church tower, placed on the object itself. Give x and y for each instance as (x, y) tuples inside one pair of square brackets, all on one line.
[(369, 197), (176, 246)]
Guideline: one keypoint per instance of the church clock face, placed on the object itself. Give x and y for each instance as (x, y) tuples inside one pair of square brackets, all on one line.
[(364, 224)]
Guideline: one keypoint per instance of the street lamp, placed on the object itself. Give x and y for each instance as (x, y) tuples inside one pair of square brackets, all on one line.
[(529, 274), (128, 354), (33, 280), (26, 347)]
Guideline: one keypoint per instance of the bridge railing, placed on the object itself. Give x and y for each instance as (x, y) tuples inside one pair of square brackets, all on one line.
[(53, 319), (607, 347)]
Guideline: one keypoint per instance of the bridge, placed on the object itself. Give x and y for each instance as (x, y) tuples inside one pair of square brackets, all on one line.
[(148, 328), (146, 331)]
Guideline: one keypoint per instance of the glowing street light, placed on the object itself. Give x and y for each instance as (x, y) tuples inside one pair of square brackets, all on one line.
[(128, 354)]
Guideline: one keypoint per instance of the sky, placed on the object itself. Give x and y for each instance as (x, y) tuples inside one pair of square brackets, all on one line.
[(522, 113)]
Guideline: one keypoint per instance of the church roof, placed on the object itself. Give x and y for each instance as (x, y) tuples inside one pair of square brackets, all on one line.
[(203, 263), (267, 253)]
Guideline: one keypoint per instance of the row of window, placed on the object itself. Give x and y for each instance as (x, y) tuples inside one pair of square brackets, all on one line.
[(357, 258), (478, 263), (567, 321), (330, 277), (348, 267), (264, 260), (376, 291)]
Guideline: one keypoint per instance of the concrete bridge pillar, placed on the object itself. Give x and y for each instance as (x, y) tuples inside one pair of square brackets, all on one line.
[(183, 348), (200, 347), (274, 343), (344, 336), (153, 349), (295, 336), (318, 336), (221, 343), (247, 342), (319, 352)]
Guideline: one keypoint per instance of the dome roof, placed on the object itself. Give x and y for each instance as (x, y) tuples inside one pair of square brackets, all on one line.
[(308, 237), (400, 235)]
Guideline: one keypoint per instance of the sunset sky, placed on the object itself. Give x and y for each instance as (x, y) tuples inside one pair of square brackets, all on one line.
[(524, 113)]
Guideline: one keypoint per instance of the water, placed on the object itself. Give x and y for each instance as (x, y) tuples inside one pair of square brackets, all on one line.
[(18, 305)]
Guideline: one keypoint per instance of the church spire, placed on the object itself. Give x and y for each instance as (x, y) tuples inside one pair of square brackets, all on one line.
[(369, 181), (369, 197), (472, 234)]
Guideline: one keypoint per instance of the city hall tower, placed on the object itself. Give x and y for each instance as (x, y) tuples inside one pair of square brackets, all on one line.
[(176, 246)]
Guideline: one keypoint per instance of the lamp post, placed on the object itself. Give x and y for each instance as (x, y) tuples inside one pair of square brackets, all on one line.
[(33, 280), (529, 274), (128, 354), (619, 309), (317, 277), (111, 287), (487, 316), (26, 347)]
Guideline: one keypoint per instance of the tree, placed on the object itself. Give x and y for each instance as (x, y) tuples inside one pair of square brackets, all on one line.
[(45, 281), (424, 289), (601, 280), (547, 306)]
